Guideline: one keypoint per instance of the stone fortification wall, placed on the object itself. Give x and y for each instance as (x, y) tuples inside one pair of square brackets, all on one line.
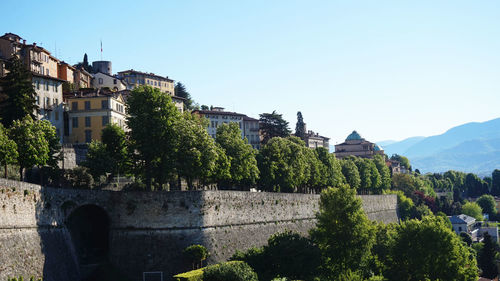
[(149, 230)]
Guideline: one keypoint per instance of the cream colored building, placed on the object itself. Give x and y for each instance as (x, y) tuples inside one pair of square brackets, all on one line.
[(355, 145), (50, 101), (133, 78), (217, 116), (90, 112), (103, 80)]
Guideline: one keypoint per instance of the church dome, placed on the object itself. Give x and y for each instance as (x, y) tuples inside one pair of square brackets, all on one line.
[(353, 136), (377, 148)]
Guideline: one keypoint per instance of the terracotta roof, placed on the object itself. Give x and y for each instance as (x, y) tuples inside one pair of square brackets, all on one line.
[(246, 118)]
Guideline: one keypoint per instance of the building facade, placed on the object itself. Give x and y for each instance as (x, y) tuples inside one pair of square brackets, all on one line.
[(103, 80), (355, 145), (217, 116), (90, 112), (49, 99), (82, 79), (133, 78)]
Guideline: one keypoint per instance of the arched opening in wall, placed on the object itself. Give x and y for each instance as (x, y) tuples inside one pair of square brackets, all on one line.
[(89, 229)]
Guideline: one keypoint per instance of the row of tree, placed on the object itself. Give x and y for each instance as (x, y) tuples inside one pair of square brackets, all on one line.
[(345, 245)]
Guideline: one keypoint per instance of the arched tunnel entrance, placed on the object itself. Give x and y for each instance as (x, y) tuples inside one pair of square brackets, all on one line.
[(89, 229)]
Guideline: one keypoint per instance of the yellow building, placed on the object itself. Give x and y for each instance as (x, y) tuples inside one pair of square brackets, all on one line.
[(89, 113), (133, 78)]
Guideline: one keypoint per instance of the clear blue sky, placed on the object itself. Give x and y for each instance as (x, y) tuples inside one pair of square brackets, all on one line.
[(389, 69)]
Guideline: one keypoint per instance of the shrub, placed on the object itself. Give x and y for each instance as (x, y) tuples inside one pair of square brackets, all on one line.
[(80, 177), (196, 254), (229, 271), (193, 275)]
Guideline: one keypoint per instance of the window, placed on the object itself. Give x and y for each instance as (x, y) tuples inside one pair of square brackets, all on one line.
[(155, 83), (104, 104), (100, 81), (58, 132), (88, 136), (87, 104), (48, 71), (57, 101), (75, 122), (87, 121), (74, 105), (57, 115), (114, 81), (47, 101), (37, 84), (105, 120), (38, 100), (48, 115)]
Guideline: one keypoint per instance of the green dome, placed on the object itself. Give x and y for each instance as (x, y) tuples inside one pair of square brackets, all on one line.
[(354, 136), (377, 148)]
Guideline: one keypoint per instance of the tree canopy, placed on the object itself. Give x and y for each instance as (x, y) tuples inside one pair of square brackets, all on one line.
[(273, 125), (343, 232), (181, 91), (18, 96), (243, 164), (8, 150)]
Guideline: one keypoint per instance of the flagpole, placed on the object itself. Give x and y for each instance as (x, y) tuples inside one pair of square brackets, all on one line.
[(101, 49)]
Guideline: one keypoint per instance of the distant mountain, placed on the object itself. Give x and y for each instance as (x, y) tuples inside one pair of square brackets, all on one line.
[(385, 142), (472, 147), (403, 145)]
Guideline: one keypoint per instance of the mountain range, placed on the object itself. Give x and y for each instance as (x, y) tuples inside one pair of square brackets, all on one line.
[(472, 147)]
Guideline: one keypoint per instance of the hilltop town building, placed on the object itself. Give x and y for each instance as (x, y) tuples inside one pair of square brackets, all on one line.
[(133, 78), (217, 116), (355, 145), (90, 112), (102, 66), (104, 80)]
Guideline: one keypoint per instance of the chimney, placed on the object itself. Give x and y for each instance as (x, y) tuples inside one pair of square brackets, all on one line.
[(34, 44), (24, 41)]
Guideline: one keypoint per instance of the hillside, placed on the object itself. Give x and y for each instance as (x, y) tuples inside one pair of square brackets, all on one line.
[(472, 147)]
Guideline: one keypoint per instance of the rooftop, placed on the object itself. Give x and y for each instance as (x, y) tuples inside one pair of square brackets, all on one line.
[(461, 219), (354, 136), (130, 71)]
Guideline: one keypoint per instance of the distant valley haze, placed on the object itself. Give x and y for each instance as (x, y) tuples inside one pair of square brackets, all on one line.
[(471, 147)]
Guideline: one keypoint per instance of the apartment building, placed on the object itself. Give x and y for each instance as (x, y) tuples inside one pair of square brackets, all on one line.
[(45, 78), (90, 112), (103, 80), (133, 78), (66, 72), (217, 116), (82, 79)]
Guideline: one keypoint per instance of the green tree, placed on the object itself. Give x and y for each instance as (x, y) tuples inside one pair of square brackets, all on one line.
[(402, 160), (18, 97), (243, 164), (273, 125), (343, 232), (300, 126), (229, 271), (428, 250), (487, 204), (291, 255), (283, 165), (486, 258), (474, 185), (8, 150), (115, 142), (50, 134), (98, 160), (385, 173), (351, 173), (473, 209), (196, 254), (32, 146), (495, 183), (180, 91), (197, 155), (154, 139), (333, 169)]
